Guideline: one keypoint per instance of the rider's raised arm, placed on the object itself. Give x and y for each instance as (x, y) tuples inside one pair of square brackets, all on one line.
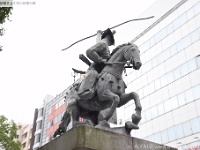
[(94, 53), (99, 34)]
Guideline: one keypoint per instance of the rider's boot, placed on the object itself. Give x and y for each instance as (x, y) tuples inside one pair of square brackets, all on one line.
[(86, 89)]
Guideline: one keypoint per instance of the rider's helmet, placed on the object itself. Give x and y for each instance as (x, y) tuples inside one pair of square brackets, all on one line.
[(110, 33)]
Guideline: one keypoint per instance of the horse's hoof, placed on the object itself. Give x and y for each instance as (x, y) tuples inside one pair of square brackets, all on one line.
[(130, 125), (76, 123), (103, 124), (136, 118)]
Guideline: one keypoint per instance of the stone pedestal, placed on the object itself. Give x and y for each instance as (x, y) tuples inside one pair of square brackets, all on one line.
[(83, 137)]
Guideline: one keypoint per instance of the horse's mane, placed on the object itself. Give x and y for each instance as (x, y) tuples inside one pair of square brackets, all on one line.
[(118, 47)]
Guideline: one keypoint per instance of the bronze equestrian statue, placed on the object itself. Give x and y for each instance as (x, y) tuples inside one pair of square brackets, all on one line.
[(103, 90)]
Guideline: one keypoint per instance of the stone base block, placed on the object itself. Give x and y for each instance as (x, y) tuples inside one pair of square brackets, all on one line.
[(83, 137)]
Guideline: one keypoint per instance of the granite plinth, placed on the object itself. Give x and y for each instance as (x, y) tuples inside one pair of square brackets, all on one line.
[(83, 137)]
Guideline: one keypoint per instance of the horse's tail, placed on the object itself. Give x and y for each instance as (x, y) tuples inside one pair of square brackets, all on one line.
[(63, 125), (65, 119)]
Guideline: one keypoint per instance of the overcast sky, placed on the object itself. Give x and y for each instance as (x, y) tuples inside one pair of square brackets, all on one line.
[(32, 64)]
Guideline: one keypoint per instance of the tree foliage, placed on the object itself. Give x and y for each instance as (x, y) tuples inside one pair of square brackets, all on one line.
[(4, 15), (8, 131)]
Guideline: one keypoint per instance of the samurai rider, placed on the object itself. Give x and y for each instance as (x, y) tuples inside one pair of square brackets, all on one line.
[(99, 54)]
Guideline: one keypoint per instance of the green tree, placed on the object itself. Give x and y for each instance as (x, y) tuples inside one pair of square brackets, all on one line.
[(4, 15), (8, 131)]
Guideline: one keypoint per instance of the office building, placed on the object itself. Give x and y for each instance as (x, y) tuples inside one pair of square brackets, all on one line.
[(49, 117), (24, 135), (38, 123), (168, 82)]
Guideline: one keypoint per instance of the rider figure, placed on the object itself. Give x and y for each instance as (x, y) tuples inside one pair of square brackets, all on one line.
[(99, 54)]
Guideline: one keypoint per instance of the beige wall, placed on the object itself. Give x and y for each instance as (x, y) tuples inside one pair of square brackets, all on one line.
[(24, 135)]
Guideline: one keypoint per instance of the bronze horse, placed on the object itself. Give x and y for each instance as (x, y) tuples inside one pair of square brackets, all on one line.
[(110, 92)]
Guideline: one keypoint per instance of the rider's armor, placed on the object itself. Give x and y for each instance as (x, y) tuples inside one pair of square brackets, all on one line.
[(98, 53)]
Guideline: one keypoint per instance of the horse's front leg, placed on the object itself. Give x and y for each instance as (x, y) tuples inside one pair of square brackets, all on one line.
[(75, 113), (107, 95), (136, 117)]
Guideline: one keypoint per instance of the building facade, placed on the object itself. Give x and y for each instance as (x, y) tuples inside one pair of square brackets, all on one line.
[(168, 82), (38, 123), (49, 117), (24, 135), (53, 113)]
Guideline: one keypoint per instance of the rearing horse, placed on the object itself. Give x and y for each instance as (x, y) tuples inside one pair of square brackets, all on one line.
[(110, 91)]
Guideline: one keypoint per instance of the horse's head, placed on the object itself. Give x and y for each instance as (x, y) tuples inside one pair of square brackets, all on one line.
[(71, 95), (132, 54)]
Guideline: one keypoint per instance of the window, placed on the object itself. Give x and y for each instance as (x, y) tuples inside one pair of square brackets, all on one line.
[(167, 105), (191, 64), (196, 92), (144, 46), (164, 136), (25, 135), (160, 58), (194, 35), (174, 102), (177, 73), (161, 109), (151, 87), (184, 69), (154, 112), (152, 41), (157, 84), (181, 99), (61, 102), (185, 42), (163, 33), (163, 80), (59, 117), (197, 8), (151, 138), (157, 137), (176, 24), (195, 124), (198, 60), (170, 28), (158, 37), (148, 114), (189, 96), (49, 124), (49, 111), (154, 62), (143, 117), (37, 138), (40, 112), (179, 131), (39, 125), (190, 13), (128, 111), (182, 19), (47, 138), (173, 50), (171, 134), (170, 77), (187, 128), (164, 56), (55, 120), (24, 145), (57, 106)]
